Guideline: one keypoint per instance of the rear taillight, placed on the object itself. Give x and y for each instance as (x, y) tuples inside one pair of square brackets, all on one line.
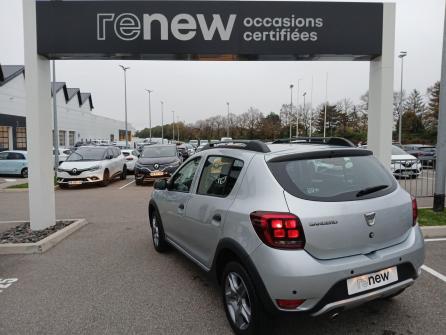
[(414, 211), (289, 304), (279, 230)]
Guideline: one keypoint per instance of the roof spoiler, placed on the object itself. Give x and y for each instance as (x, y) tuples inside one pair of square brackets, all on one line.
[(339, 141), (251, 145)]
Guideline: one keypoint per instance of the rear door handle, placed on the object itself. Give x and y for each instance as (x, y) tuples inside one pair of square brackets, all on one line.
[(217, 218)]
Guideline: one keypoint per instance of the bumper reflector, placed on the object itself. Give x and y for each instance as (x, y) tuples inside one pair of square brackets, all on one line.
[(289, 304)]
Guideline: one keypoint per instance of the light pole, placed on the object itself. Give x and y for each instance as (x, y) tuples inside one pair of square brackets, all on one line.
[(125, 68), (150, 115), (297, 106), (291, 110), (227, 127), (178, 128), (162, 122), (311, 107), (304, 95), (401, 55), (173, 126), (326, 102)]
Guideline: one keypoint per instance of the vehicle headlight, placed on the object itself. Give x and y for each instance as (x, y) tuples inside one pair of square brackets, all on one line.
[(60, 170), (94, 168)]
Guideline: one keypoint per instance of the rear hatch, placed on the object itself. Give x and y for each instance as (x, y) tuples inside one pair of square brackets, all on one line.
[(348, 203)]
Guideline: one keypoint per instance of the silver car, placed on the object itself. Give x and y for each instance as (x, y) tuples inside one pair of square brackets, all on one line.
[(300, 228)]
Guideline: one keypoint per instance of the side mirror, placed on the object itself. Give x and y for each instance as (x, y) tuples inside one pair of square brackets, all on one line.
[(160, 184)]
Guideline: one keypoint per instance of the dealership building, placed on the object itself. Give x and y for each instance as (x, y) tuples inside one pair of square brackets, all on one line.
[(76, 120)]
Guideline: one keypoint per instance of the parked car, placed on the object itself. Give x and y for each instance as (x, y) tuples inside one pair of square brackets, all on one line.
[(131, 157), (203, 142), (63, 154), (92, 164), (14, 162), (427, 154), (190, 149), (226, 139), (404, 165), (157, 161), (184, 151), (282, 235), (194, 143)]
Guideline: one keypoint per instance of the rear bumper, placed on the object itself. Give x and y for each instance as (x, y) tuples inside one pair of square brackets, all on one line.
[(322, 283)]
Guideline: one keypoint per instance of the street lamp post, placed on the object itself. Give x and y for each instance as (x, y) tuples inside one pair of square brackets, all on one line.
[(297, 106), (227, 127), (326, 102), (401, 55), (291, 110), (125, 68), (178, 128), (150, 115), (304, 95), (162, 122), (173, 126)]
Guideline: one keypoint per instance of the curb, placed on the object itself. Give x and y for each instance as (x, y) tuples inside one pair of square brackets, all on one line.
[(45, 244), (434, 231), (12, 190)]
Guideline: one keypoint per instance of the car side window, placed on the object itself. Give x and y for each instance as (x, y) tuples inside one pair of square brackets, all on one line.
[(3, 155), (219, 176), (116, 152), (15, 156), (182, 180), (110, 153)]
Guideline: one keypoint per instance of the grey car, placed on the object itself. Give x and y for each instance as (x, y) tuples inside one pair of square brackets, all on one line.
[(303, 228)]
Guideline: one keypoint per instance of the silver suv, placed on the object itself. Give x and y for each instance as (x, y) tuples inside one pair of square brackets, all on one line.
[(305, 227)]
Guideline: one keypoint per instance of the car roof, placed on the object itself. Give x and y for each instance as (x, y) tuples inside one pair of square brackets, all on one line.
[(16, 151)]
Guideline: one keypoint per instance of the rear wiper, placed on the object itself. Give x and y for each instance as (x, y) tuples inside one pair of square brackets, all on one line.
[(369, 190)]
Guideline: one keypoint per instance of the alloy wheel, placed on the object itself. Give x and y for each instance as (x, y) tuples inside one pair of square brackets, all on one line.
[(237, 300), (155, 231)]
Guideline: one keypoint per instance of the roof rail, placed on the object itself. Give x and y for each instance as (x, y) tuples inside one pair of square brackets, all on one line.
[(251, 145), (340, 141)]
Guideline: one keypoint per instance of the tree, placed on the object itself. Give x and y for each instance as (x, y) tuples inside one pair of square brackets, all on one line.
[(413, 110), (430, 118)]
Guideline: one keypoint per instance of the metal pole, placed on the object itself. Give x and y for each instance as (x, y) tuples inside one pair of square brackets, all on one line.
[(150, 115), (56, 126), (326, 102), (400, 127), (440, 179), (291, 110), (125, 68), (304, 95), (178, 128), (311, 108), (162, 122), (227, 128), (173, 126), (297, 107)]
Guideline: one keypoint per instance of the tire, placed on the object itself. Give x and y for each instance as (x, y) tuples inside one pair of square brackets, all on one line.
[(106, 179), (123, 175), (63, 186), (158, 238), (138, 181), (24, 173), (244, 310)]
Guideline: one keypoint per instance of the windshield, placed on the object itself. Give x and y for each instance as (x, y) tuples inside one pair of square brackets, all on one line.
[(334, 179), (398, 151), (155, 152), (88, 154)]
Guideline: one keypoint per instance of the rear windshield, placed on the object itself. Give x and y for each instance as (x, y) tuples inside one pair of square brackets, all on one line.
[(156, 152), (334, 179), (398, 151)]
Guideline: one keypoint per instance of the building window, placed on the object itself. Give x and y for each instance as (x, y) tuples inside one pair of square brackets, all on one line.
[(21, 137), (4, 138), (62, 138), (71, 137)]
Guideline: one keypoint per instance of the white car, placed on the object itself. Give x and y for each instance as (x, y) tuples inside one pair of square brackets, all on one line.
[(404, 165), (131, 156), (92, 164), (63, 154)]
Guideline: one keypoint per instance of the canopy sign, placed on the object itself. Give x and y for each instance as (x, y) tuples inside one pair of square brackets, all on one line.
[(254, 30)]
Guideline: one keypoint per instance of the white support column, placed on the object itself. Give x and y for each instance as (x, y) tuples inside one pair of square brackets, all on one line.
[(39, 125), (380, 124)]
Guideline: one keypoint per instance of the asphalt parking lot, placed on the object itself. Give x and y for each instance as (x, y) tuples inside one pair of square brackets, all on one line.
[(107, 279)]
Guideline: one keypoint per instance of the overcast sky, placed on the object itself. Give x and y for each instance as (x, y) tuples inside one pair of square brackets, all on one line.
[(197, 90)]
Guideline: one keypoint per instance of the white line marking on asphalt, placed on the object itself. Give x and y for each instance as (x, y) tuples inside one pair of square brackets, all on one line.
[(127, 184), (5, 283), (435, 239), (434, 273)]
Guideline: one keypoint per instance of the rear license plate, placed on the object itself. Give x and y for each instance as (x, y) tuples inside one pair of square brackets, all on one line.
[(156, 174), (75, 182), (372, 280)]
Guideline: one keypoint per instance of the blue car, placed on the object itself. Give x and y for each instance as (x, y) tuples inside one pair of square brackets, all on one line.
[(14, 163)]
